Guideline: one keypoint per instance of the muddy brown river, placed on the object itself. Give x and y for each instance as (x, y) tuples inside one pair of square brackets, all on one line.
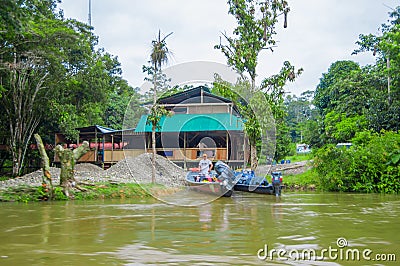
[(246, 229)]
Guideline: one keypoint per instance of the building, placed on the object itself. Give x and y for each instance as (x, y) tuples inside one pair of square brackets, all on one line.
[(200, 122)]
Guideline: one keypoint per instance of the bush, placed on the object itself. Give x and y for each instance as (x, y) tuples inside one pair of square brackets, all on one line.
[(370, 165)]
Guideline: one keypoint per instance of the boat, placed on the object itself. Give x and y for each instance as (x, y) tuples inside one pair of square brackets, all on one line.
[(247, 181), (220, 182), (207, 184)]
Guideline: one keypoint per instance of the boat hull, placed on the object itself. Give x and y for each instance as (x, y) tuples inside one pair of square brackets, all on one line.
[(248, 182), (215, 188), (255, 189)]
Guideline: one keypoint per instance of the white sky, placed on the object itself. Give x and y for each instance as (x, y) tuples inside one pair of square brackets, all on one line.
[(319, 33)]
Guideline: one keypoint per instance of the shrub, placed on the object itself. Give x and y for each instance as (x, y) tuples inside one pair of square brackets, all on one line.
[(370, 165)]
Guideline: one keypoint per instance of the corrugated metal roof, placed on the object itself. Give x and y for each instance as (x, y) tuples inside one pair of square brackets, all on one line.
[(193, 123)]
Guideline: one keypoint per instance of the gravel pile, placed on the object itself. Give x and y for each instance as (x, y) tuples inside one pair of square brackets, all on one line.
[(129, 170), (87, 167), (32, 179), (139, 169), (90, 173)]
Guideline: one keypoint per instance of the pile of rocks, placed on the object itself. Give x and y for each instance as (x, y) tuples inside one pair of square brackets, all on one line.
[(87, 172), (87, 167), (139, 169), (31, 179), (129, 170)]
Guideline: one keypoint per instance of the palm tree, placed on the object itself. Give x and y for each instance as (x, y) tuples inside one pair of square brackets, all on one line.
[(159, 52), (159, 56)]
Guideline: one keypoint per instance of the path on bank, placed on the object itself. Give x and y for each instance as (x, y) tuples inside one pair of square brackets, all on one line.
[(286, 169)]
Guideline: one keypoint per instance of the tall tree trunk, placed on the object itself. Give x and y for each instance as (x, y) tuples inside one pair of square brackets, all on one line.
[(153, 155), (153, 129), (24, 85), (253, 142), (388, 79), (68, 159), (46, 178), (246, 151), (254, 158)]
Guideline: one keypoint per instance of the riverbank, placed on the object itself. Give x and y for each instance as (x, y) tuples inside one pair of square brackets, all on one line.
[(304, 181), (87, 192), (130, 170), (131, 177), (296, 176)]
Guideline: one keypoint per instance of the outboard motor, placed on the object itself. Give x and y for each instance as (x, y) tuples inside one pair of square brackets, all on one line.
[(276, 180), (225, 174)]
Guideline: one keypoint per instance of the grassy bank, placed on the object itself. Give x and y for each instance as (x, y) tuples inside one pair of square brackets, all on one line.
[(304, 181), (97, 191)]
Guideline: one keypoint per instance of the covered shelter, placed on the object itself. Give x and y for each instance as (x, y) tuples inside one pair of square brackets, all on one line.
[(200, 122), (106, 144)]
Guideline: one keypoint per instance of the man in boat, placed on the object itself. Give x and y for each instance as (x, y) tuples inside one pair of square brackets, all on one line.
[(205, 166)]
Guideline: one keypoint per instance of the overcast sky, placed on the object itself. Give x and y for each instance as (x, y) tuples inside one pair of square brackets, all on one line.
[(319, 33)]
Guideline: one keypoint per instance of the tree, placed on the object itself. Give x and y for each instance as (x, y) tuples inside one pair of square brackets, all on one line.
[(351, 99), (123, 107), (273, 88), (328, 92), (256, 115), (52, 78), (299, 110), (255, 32), (256, 28), (31, 48), (46, 178), (386, 48), (340, 127), (90, 93), (158, 57), (384, 114), (22, 87), (68, 159), (342, 99)]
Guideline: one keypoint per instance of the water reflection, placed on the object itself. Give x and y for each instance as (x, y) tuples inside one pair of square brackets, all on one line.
[(228, 231)]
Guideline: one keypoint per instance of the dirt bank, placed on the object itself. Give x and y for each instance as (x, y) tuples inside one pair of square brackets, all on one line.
[(286, 169)]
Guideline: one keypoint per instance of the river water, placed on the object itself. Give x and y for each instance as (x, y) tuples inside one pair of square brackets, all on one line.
[(245, 229)]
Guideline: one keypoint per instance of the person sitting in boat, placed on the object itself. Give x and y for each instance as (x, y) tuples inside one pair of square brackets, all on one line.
[(205, 166)]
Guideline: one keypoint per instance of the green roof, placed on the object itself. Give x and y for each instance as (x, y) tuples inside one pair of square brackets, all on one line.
[(193, 123)]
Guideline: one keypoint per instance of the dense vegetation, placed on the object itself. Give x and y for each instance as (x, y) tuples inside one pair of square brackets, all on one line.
[(53, 78), (359, 105), (370, 165)]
